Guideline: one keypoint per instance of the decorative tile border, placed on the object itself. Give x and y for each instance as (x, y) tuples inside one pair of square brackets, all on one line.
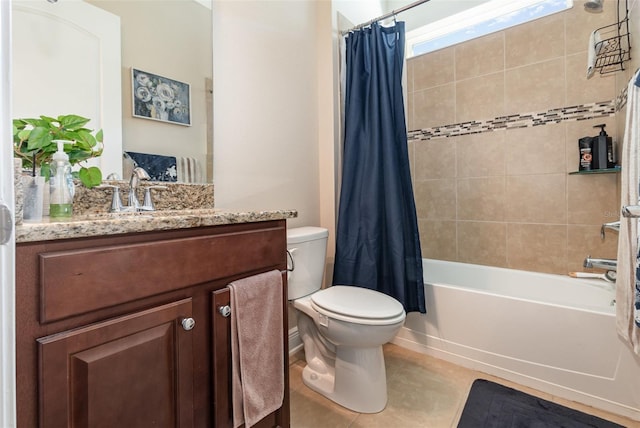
[(557, 115)]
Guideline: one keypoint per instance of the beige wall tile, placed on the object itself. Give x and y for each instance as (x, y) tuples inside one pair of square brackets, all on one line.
[(580, 90), (410, 75), (634, 29), (435, 199), (584, 240), (480, 56), (535, 41), (593, 199), (438, 239), (410, 112), (482, 243), (433, 69), (481, 155), (480, 97), (617, 133), (536, 198), (536, 150), (434, 107), (579, 24), (536, 87), (537, 247), (481, 198), (504, 198), (435, 158), (411, 148)]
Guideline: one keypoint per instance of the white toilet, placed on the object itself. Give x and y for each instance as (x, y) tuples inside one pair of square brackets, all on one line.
[(342, 327)]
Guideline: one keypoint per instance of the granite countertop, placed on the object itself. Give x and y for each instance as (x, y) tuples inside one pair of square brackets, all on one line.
[(113, 224)]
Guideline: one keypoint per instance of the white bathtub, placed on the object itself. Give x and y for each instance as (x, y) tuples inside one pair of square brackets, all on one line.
[(550, 332)]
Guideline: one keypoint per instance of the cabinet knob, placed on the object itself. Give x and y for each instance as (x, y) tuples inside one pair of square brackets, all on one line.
[(225, 310), (188, 323)]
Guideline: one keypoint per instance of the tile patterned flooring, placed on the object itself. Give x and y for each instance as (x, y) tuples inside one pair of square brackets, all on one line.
[(423, 392)]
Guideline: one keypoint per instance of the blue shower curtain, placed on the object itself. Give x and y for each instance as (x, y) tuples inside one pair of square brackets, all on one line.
[(377, 240)]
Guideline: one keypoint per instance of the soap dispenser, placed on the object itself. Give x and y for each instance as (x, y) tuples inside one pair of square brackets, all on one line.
[(603, 155), (61, 185)]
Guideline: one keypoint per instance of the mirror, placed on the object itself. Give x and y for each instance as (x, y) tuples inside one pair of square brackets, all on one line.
[(171, 39)]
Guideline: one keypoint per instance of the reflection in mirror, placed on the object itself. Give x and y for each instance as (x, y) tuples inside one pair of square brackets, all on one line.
[(66, 60), (168, 38)]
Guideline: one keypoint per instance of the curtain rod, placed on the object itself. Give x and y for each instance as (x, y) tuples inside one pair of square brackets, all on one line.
[(385, 16)]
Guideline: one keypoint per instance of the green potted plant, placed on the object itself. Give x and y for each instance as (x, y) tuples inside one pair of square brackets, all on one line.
[(34, 142)]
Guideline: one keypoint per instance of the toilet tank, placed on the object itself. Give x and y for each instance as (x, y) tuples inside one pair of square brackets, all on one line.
[(308, 249)]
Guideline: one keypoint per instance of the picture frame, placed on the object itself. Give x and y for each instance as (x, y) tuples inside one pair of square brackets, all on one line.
[(160, 98)]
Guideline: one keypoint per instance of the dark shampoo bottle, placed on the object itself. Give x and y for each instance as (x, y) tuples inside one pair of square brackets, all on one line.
[(602, 150)]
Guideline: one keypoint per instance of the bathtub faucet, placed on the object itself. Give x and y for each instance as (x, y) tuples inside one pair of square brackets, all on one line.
[(608, 264), (614, 225)]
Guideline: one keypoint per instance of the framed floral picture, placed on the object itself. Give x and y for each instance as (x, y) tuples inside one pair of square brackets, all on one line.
[(160, 98)]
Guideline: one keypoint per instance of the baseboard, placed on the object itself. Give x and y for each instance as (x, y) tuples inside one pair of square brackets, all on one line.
[(295, 343)]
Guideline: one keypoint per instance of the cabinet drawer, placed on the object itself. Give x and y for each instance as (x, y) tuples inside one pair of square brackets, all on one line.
[(80, 281)]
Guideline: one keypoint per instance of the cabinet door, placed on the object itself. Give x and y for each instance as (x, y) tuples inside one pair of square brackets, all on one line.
[(131, 371), (221, 364)]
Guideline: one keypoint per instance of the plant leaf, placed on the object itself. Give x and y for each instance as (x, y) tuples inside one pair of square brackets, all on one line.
[(23, 134), (91, 176), (39, 138), (84, 136), (72, 121)]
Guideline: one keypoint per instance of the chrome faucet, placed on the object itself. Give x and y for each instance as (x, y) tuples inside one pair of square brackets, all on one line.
[(137, 174), (614, 225), (608, 264)]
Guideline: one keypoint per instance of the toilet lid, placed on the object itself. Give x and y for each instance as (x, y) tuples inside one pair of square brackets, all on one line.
[(352, 303)]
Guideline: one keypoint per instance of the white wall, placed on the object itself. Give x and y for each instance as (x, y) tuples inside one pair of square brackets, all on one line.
[(266, 107), (276, 105)]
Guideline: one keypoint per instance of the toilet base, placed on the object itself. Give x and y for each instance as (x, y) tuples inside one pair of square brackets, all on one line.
[(359, 381)]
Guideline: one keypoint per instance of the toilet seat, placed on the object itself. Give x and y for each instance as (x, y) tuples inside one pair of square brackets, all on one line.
[(357, 305)]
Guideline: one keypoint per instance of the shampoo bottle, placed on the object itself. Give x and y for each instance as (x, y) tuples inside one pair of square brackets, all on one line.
[(61, 185), (603, 155)]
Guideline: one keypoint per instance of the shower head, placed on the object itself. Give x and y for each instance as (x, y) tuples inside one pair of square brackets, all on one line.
[(593, 6)]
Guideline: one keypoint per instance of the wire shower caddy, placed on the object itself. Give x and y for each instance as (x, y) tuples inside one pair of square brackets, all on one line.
[(614, 48)]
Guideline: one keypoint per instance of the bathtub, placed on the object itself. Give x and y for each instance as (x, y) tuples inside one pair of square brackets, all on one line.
[(550, 332)]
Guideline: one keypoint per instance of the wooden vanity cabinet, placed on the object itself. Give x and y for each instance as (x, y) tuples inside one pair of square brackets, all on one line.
[(127, 330)]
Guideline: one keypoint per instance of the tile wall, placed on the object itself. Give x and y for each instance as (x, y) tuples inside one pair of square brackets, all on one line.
[(494, 127)]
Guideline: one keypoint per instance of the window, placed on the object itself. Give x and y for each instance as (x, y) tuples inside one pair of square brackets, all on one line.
[(487, 18)]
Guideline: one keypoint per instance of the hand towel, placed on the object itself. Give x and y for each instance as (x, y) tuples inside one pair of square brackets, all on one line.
[(189, 170), (257, 347), (626, 283), (592, 52)]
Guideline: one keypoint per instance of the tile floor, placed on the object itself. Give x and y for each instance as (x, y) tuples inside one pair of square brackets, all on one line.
[(423, 392)]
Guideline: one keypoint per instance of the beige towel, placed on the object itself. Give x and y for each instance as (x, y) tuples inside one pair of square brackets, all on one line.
[(628, 234), (188, 170), (257, 347)]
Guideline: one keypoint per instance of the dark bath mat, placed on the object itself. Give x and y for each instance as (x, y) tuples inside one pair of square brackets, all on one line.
[(490, 405)]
